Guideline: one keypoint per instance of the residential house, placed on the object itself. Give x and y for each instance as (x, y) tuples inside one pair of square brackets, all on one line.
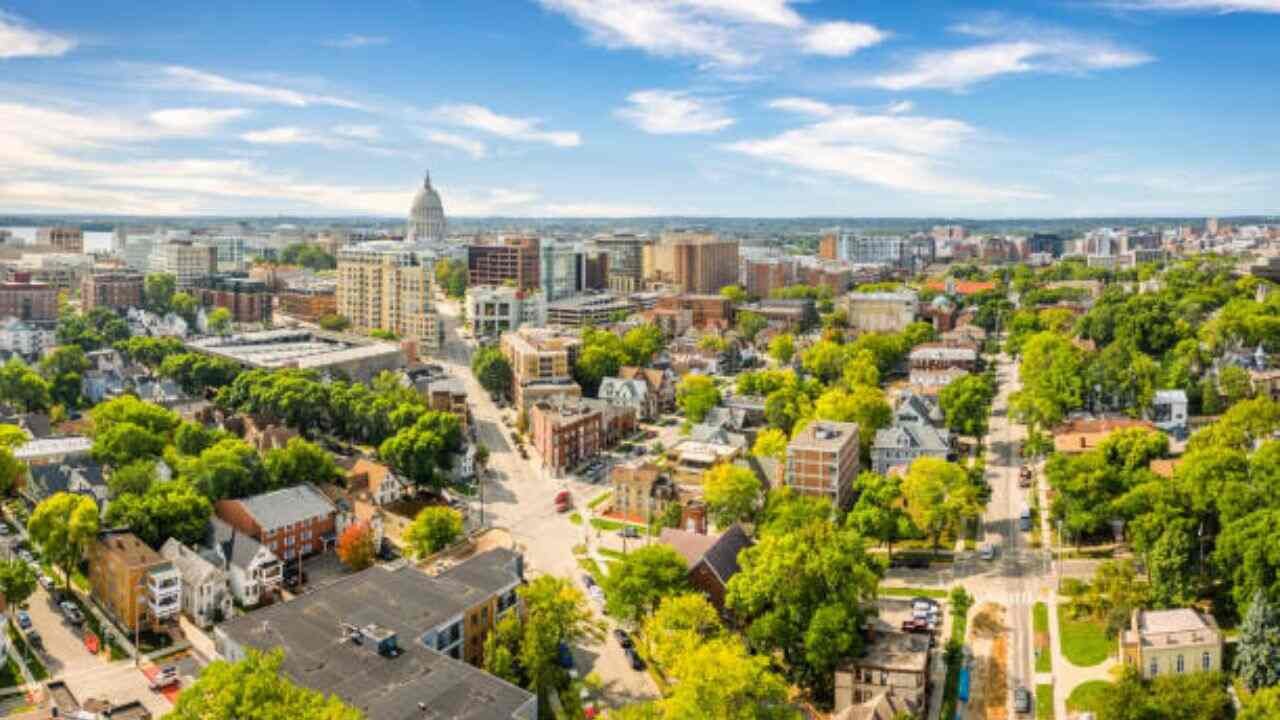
[(712, 559), (1169, 411), (206, 588), (253, 571), (632, 394), (662, 384), (692, 457), (43, 451), (80, 477), (133, 582), (822, 461), (1171, 642), (893, 663), (902, 443), (382, 484), (943, 356), (264, 436), (1084, 434), (293, 522)]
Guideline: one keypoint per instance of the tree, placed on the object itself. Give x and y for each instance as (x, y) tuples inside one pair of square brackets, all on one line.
[(419, 452), (219, 321), (601, 356), (492, 371), (1262, 705), (638, 582), (772, 443), (1171, 564), (680, 624), (132, 479), (720, 679), (158, 291), (785, 511), (63, 369), (64, 524), (12, 437), (11, 470), (1186, 696), (355, 546), (124, 443), (641, 343), (556, 612), (713, 343), (696, 395), (782, 348), (940, 495), (166, 510), (229, 468), (433, 529), (129, 409), (732, 494), (1234, 384), (879, 511), (193, 438), (734, 293), (17, 582), (255, 687), (861, 404), (333, 322), (451, 276), (23, 387), (185, 306), (298, 462), (825, 360), (750, 324), (312, 257), (150, 351), (1052, 374), (502, 650), (1258, 653), (966, 404)]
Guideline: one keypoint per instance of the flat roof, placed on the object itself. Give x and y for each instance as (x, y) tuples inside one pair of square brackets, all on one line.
[(281, 348), (44, 447)]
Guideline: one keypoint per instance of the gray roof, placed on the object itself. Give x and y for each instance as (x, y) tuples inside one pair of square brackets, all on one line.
[(919, 406), (720, 552), (489, 572), (284, 507), (194, 567), (1171, 396), (82, 477), (404, 601), (918, 436), (234, 547)]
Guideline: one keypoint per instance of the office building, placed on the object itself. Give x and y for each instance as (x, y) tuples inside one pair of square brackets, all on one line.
[(692, 262), (249, 301), (881, 311), (822, 461), (626, 260), (386, 285), (229, 249), (426, 215), (561, 270), (61, 238), (762, 278), (358, 358), (134, 583), (495, 309), (117, 290), (187, 261), (588, 310), (136, 249), (595, 270), (505, 260), (542, 363), (28, 301)]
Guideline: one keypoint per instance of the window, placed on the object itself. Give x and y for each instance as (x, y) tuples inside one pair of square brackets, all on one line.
[(1181, 666), (1155, 667), (1205, 661)]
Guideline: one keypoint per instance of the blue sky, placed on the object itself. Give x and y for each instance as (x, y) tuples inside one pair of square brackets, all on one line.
[(637, 107)]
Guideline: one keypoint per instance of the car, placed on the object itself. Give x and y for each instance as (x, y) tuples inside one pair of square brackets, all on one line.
[(924, 603), (916, 625), (26, 556), (71, 612), (1024, 521), (34, 639), (629, 531), (987, 552), (1021, 701), (563, 501), (622, 637), (564, 656), (596, 594), (637, 663), (45, 581), (917, 562), (588, 580), (4, 528), (24, 619), (164, 677)]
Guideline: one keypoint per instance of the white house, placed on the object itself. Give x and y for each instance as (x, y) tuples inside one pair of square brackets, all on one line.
[(206, 596), (632, 393), (253, 571), (1169, 411), (24, 338), (383, 485)]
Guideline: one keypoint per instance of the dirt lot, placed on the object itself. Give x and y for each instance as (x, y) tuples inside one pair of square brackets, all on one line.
[(989, 638)]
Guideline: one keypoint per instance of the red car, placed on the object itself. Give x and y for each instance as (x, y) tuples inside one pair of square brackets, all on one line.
[(916, 625), (564, 501)]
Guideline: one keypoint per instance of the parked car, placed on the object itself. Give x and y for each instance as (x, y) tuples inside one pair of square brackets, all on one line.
[(637, 663), (919, 562), (45, 581), (915, 625), (24, 619), (564, 656), (987, 552), (629, 531), (564, 501), (1024, 477), (588, 580), (34, 639), (1024, 520), (1021, 701), (596, 594), (165, 677), (71, 612), (622, 637)]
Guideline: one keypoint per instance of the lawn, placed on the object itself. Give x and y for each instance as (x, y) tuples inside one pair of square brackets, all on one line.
[(575, 518), (1044, 701), (1084, 642), (611, 554), (599, 499), (913, 592), (10, 675), (1088, 696), (1040, 622)]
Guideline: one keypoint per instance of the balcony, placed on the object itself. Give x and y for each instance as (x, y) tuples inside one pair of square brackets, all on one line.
[(271, 574), (163, 593)]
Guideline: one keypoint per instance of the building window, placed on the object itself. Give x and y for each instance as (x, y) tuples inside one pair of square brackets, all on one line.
[(1205, 661), (1155, 667), (1181, 667)]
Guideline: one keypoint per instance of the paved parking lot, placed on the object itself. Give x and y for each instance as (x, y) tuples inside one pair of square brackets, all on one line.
[(64, 651)]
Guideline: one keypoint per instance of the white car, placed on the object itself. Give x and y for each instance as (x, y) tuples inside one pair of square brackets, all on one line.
[(987, 552)]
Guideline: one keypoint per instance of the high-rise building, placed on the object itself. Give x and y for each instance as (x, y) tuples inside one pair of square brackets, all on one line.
[(762, 278), (230, 251), (386, 285), (692, 261), (822, 461), (137, 249), (426, 215), (626, 260), (61, 238), (595, 264), (560, 269), (496, 309), (119, 290), (187, 261), (504, 260)]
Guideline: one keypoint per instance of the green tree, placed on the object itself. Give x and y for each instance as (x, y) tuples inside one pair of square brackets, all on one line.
[(219, 321), (166, 510), (879, 512), (132, 479), (229, 468), (638, 582), (158, 290), (124, 443), (298, 462), (771, 443), (333, 322), (679, 625), (185, 307), (312, 257), (433, 529), (601, 356), (422, 451), (150, 351), (825, 360), (734, 293), (1052, 374), (940, 496), (641, 343), (696, 395), (750, 324), (129, 409), (11, 471), (63, 525), (63, 369), (23, 387), (12, 437), (1262, 705), (966, 404), (193, 438), (720, 679), (861, 404), (451, 276), (1258, 650), (556, 612), (492, 371), (732, 494), (785, 511), (17, 582), (782, 348), (502, 650), (255, 687)]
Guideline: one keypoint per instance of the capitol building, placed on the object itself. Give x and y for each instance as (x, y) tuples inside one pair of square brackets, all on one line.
[(426, 215)]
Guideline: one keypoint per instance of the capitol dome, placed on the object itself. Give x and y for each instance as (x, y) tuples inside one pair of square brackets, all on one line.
[(426, 215)]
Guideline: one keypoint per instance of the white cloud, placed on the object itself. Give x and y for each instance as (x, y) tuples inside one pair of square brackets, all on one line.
[(19, 39), (673, 112), (357, 41), (192, 79), (370, 133), (478, 117), (900, 107), (470, 146), (839, 39), (1211, 6), (725, 34), (194, 120), (284, 135), (902, 152), (803, 106)]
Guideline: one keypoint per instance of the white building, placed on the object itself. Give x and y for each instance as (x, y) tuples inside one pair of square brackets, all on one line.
[(253, 571), (24, 338), (186, 260), (496, 309), (207, 590), (1169, 411), (426, 215), (230, 251)]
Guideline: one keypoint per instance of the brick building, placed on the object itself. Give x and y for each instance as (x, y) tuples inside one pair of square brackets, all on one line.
[(693, 262), (565, 433), (249, 301), (308, 303), (133, 582), (675, 314), (712, 559), (292, 523), (822, 461), (30, 301), (835, 276), (762, 278), (506, 259), (61, 238), (116, 290)]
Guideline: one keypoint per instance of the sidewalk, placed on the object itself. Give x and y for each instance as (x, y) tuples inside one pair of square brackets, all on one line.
[(1065, 676)]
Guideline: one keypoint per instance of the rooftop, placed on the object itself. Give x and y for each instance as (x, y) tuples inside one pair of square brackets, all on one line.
[(826, 435), (292, 348), (280, 508), (896, 651), (46, 447)]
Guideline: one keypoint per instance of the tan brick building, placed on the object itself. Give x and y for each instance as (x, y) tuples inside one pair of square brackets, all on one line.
[(504, 260), (386, 285), (1171, 642), (30, 301), (133, 582), (115, 290), (692, 262), (822, 461), (308, 304), (61, 238), (541, 364), (565, 433)]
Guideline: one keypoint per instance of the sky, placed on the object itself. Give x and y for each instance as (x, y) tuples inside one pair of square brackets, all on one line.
[(617, 108)]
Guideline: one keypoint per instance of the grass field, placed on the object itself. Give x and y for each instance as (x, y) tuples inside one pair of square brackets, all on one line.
[(1044, 701), (606, 524), (913, 592), (1088, 696), (599, 499), (1084, 642), (1040, 622)]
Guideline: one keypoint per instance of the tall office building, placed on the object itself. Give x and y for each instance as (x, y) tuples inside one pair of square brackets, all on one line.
[(186, 260), (62, 238), (692, 262), (507, 259), (560, 269), (426, 215), (386, 285), (626, 260)]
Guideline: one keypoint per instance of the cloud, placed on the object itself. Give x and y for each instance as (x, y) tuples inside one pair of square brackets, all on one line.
[(803, 106), (723, 34), (901, 152), (370, 133), (1210, 6), (357, 41), (478, 117), (472, 147), (284, 135), (840, 39), (194, 120), (19, 39), (673, 112), (192, 79), (902, 106)]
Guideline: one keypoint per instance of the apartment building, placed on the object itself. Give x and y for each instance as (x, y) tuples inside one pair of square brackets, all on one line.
[(27, 300), (248, 301), (385, 285), (496, 309), (186, 260), (503, 260), (675, 314), (881, 311), (117, 290), (292, 523), (626, 260), (761, 278), (692, 262), (1171, 642), (561, 269), (308, 301), (642, 490), (542, 363), (134, 583), (822, 461), (596, 309), (565, 433), (61, 238)]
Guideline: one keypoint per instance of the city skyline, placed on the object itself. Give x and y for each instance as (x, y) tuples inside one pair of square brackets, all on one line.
[(602, 108)]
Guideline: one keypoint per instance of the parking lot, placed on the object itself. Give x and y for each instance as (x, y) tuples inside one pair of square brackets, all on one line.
[(64, 652)]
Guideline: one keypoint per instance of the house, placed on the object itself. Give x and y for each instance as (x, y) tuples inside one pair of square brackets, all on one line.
[(1169, 411), (253, 571), (902, 443), (893, 663), (394, 642), (943, 356), (884, 706), (1084, 434), (662, 384), (967, 333), (133, 582), (691, 458), (264, 436), (642, 490), (822, 461), (1266, 383), (293, 522), (80, 477), (1160, 642), (382, 484), (43, 451), (206, 596), (632, 394), (915, 408), (712, 559)]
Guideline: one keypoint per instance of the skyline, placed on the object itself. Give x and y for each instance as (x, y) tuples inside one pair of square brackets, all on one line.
[(603, 108)]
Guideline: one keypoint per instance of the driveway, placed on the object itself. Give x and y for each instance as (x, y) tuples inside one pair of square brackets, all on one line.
[(64, 651)]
